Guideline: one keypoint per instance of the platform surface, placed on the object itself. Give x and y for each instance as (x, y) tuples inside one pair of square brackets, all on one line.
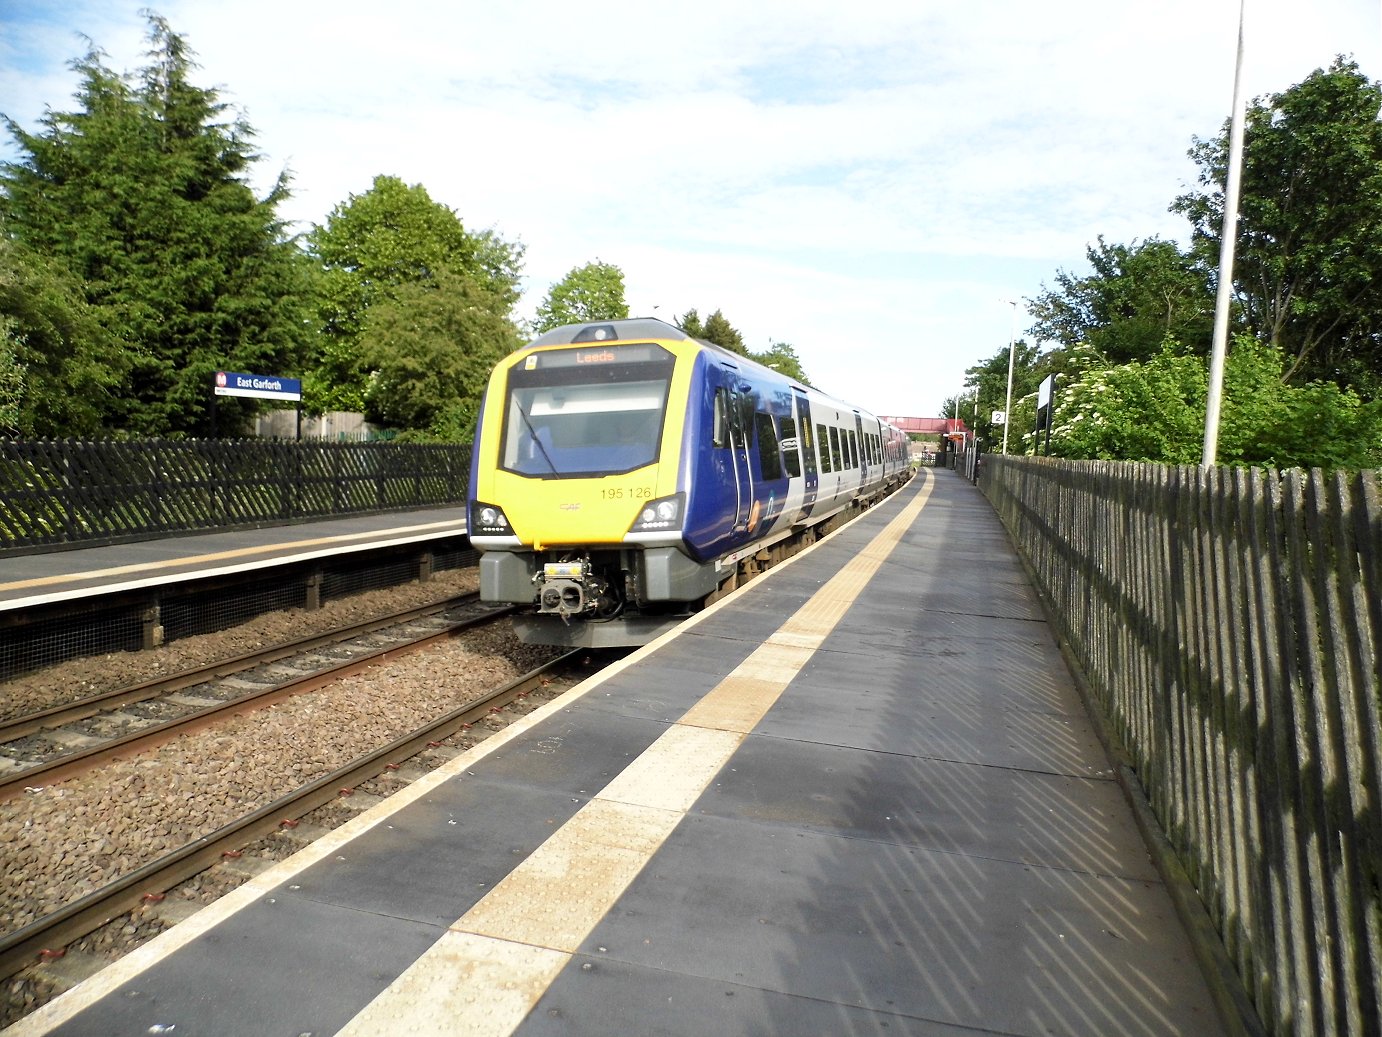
[(75, 573), (859, 796)]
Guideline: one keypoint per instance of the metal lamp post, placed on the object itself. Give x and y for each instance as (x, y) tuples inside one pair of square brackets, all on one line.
[(1012, 347)]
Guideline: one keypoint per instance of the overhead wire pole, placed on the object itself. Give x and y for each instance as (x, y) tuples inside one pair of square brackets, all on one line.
[(1229, 237), (1012, 346)]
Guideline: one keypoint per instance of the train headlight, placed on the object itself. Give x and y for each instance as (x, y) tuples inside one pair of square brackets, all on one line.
[(665, 513), (488, 520)]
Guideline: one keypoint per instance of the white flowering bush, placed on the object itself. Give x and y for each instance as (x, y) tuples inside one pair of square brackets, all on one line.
[(1151, 411), (1155, 410)]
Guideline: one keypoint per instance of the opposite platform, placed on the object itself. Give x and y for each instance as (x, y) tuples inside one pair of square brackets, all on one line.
[(37, 579), (860, 795)]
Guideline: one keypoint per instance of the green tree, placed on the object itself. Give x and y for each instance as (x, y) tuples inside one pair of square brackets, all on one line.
[(587, 293), (63, 370), (720, 331), (690, 322), (781, 357), (990, 378), (13, 376), (1137, 298), (1150, 410), (142, 194), (430, 346), (372, 246), (1308, 269), (1154, 410)]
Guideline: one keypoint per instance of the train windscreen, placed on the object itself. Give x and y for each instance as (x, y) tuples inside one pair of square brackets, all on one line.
[(586, 412)]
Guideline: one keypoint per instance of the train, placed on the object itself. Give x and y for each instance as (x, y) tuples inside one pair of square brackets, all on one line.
[(625, 474)]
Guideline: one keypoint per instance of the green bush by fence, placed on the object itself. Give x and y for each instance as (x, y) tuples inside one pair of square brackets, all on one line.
[(61, 493), (1229, 621)]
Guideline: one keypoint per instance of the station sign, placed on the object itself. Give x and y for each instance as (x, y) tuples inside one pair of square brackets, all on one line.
[(260, 386), (1000, 417)]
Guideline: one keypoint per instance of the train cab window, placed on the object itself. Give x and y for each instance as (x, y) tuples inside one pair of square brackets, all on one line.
[(720, 425), (586, 412), (769, 452), (823, 438)]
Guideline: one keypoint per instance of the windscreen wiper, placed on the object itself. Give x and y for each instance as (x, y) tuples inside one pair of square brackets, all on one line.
[(533, 433)]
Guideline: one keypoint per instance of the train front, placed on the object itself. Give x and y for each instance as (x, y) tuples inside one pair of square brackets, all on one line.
[(575, 502)]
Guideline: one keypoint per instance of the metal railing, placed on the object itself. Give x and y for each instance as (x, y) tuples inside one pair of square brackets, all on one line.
[(63, 493)]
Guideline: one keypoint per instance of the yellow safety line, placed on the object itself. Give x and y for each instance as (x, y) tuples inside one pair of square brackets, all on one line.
[(485, 974)]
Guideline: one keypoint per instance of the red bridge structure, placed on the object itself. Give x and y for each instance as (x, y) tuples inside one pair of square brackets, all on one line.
[(947, 428)]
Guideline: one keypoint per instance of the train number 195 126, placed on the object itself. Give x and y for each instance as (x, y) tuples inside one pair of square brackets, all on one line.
[(627, 493)]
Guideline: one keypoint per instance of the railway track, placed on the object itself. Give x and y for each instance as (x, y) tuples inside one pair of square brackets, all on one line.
[(46, 938), (58, 743)]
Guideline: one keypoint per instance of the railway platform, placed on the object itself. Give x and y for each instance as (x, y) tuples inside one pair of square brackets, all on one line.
[(860, 795), (40, 579)]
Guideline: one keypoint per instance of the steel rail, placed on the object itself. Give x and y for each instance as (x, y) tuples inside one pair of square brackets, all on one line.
[(34, 723), (46, 936), (67, 765)]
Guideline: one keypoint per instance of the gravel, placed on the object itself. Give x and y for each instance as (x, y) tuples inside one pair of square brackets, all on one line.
[(79, 678), (63, 841)]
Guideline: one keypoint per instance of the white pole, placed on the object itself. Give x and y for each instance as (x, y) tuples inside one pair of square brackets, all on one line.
[(1226, 245), (1012, 345)]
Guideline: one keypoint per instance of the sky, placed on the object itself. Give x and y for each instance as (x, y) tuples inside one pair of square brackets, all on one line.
[(882, 185)]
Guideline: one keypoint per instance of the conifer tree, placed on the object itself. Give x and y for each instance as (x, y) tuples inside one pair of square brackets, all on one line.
[(142, 193)]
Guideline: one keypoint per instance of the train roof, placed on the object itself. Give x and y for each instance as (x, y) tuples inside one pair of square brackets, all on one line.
[(610, 331)]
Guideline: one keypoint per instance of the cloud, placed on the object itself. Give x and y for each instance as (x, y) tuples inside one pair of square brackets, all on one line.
[(865, 181)]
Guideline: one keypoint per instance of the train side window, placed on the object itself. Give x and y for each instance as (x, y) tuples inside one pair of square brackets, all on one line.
[(824, 440), (720, 432), (790, 458), (745, 413), (769, 455), (836, 457)]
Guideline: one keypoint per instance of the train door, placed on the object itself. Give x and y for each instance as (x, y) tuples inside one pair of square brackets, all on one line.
[(806, 437), (863, 446), (734, 432)]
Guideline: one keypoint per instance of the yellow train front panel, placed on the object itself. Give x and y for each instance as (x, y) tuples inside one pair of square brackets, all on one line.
[(576, 440)]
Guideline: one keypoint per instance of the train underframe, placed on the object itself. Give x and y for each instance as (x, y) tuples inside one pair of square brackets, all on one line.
[(628, 596)]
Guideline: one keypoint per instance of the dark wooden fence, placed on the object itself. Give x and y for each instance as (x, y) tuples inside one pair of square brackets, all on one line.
[(1230, 622), (64, 493)]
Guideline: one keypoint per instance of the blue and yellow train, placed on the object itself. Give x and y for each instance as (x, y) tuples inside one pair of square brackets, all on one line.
[(624, 474)]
